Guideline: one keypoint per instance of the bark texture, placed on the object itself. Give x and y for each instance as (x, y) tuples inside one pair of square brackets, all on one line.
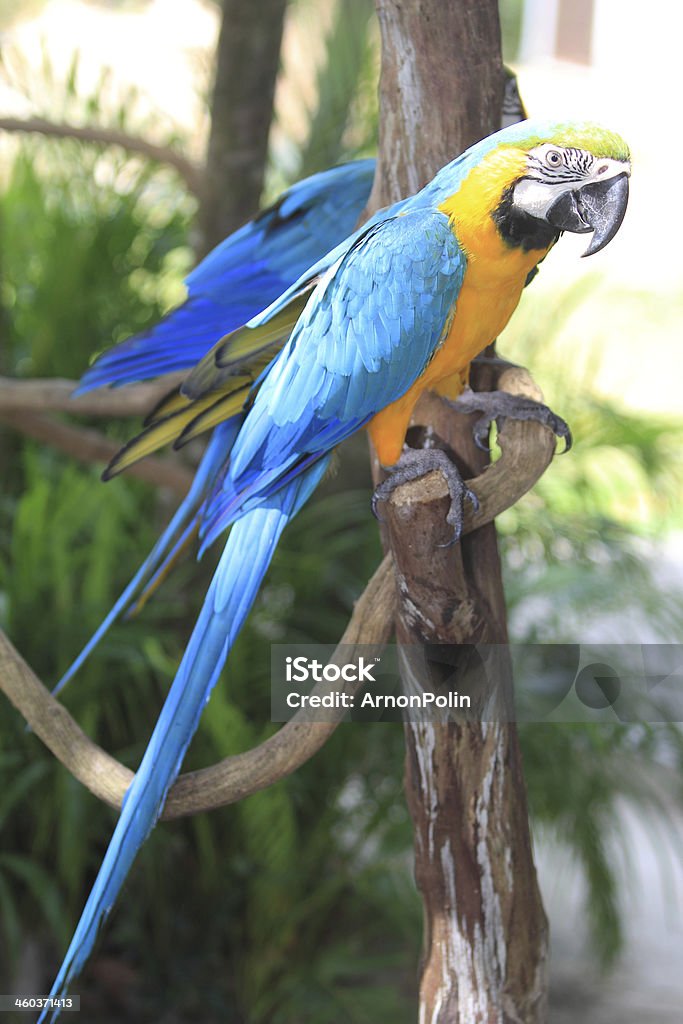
[(247, 61), (441, 87), (485, 940)]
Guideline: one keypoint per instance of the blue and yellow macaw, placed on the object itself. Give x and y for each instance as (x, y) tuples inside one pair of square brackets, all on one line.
[(236, 281), (400, 307)]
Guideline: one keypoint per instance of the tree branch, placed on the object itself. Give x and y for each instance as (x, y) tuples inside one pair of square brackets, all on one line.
[(485, 933), (90, 446), (485, 941), (54, 395), (527, 450), (188, 171), (441, 81), (231, 779), (247, 59)]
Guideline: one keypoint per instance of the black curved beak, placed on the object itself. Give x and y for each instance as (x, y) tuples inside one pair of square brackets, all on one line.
[(598, 207)]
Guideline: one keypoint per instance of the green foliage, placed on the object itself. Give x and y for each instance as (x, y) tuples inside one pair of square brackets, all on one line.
[(581, 556), (585, 540), (511, 12), (60, 311), (340, 88), (579, 776), (63, 560), (340, 114), (93, 240), (72, 218)]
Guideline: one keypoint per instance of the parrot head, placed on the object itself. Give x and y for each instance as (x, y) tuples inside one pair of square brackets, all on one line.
[(534, 180), (574, 180)]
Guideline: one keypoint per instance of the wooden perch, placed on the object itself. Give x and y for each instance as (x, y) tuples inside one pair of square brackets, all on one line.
[(527, 450), (485, 942)]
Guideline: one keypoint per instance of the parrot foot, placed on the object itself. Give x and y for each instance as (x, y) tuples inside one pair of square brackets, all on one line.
[(499, 405), (416, 462)]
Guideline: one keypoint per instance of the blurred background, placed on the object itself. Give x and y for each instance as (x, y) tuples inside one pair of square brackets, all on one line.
[(299, 903)]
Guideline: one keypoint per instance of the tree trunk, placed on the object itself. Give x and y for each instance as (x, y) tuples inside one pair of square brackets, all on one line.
[(247, 60), (485, 941), (441, 87)]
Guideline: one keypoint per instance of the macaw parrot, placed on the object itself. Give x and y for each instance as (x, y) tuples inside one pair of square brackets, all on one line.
[(238, 279), (400, 307)]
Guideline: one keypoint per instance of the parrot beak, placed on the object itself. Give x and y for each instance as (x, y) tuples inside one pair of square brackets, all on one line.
[(598, 206)]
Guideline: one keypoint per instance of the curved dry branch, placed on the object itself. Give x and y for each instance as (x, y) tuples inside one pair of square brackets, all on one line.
[(527, 451), (229, 780), (189, 172)]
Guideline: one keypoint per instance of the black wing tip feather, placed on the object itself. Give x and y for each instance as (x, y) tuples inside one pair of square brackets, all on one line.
[(194, 428), (113, 468), (152, 418), (187, 434), (195, 384)]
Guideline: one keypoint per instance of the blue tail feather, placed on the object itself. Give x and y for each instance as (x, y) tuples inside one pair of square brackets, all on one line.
[(164, 567), (176, 343), (172, 538), (243, 564)]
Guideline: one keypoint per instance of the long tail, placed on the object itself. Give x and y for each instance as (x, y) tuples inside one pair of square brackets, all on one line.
[(246, 557), (172, 540)]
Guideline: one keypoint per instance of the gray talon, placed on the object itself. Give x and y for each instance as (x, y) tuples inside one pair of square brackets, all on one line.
[(416, 462), (499, 405), (480, 432), (473, 499)]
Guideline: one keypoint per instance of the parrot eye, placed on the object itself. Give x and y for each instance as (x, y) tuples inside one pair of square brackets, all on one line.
[(553, 158)]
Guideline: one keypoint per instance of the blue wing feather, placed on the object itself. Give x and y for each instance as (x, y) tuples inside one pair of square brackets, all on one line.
[(243, 274), (331, 377)]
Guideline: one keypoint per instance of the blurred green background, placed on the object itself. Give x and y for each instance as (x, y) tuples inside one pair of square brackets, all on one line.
[(299, 903)]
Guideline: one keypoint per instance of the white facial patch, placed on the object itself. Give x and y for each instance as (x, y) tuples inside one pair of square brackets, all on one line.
[(536, 197), (554, 170)]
